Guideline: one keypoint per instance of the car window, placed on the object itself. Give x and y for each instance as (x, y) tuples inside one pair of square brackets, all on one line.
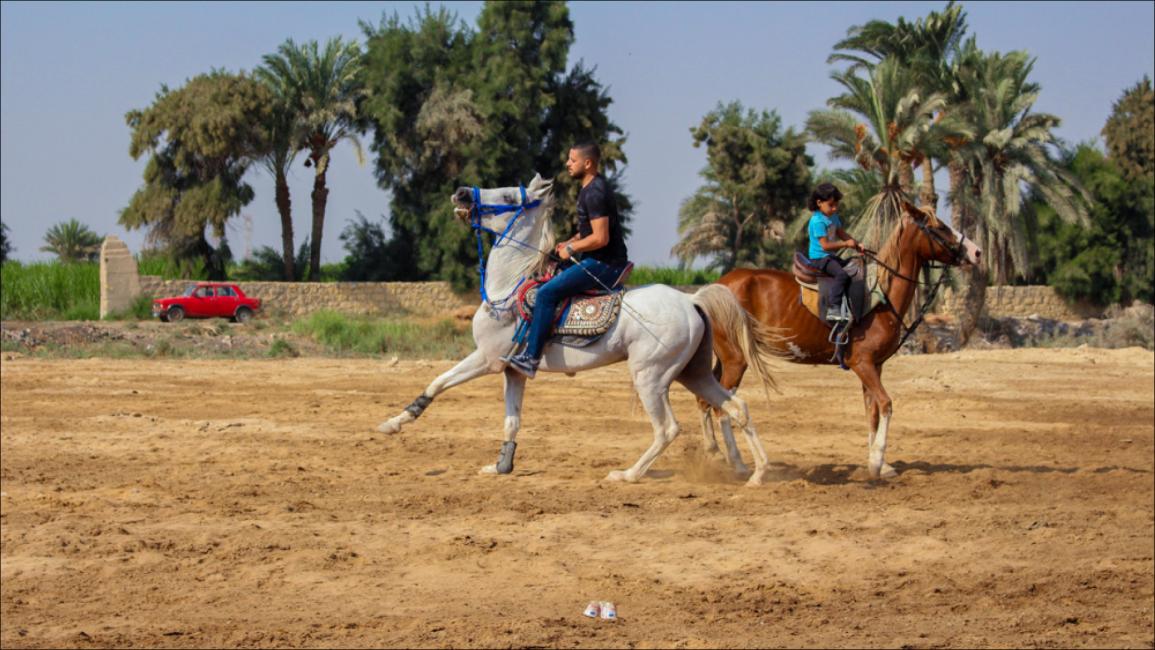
[(226, 291), (205, 292), (189, 290)]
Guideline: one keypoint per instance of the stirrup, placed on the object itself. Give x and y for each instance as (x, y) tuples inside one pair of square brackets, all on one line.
[(839, 333)]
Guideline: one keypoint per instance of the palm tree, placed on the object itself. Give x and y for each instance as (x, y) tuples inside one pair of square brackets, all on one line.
[(883, 122), (1008, 156), (72, 241), (926, 46), (325, 88), (281, 150)]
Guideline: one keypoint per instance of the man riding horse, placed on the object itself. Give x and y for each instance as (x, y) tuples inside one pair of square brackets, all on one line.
[(600, 241)]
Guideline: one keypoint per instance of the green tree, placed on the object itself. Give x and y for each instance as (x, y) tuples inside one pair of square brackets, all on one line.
[(372, 256), (200, 139), (756, 175), (323, 89), (5, 244), (1011, 152), (1008, 158), (267, 264), (72, 241), (280, 150), (1130, 137), (1083, 262), (1130, 132), (928, 47), (1112, 259), (454, 106), (884, 123)]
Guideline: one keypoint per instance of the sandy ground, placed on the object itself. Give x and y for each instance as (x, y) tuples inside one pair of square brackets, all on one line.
[(250, 503)]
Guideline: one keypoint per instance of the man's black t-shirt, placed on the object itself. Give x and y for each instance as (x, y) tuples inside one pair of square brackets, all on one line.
[(597, 200)]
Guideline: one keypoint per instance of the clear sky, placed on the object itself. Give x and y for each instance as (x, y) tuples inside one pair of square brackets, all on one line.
[(70, 71)]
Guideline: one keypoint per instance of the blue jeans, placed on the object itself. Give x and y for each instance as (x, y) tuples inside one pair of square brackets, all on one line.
[(569, 282)]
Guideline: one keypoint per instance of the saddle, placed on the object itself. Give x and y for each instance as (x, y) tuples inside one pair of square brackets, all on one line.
[(580, 320), (815, 286)]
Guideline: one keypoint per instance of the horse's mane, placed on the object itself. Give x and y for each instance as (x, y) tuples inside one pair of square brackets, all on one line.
[(546, 240), (891, 252)]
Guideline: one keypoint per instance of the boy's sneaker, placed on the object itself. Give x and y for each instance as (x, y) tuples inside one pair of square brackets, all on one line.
[(836, 314), (522, 363)]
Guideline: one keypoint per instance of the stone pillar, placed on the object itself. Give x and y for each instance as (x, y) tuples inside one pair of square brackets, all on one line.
[(119, 281)]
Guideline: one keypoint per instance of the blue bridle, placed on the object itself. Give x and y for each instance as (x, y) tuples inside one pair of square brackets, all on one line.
[(480, 210)]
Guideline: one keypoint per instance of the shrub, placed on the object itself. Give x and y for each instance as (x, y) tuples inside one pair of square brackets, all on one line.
[(141, 309), (282, 348), (1132, 326)]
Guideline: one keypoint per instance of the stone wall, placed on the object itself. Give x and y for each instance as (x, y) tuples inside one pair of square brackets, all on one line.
[(1021, 302), (119, 282), (297, 298)]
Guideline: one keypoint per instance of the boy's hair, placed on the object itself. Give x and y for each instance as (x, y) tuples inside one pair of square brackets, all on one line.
[(589, 151), (823, 192)]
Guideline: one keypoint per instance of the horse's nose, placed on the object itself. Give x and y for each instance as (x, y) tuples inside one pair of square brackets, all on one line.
[(463, 195)]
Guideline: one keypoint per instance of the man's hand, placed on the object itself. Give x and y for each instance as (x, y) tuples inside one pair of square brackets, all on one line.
[(560, 250)]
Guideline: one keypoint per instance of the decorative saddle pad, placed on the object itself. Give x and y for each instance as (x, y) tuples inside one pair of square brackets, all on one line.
[(587, 316)]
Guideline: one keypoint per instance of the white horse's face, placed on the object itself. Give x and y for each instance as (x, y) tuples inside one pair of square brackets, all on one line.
[(538, 189)]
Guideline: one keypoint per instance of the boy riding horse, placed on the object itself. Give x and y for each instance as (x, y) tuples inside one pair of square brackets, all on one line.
[(599, 238)]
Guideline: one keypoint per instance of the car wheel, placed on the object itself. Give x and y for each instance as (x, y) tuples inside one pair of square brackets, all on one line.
[(163, 318), (244, 315), (175, 314)]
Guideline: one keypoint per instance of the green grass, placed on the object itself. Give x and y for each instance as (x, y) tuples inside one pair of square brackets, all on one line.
[(671, 275), (344, 334), (50, 290)]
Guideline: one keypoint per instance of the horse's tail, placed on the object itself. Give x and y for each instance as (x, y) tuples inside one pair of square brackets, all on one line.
[(757, 341)]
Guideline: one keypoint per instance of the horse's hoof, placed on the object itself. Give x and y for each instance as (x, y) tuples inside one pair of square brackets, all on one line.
[(619, 475), (757, 479), (389, 426), (887, 471), (741, 471), (488, 469)]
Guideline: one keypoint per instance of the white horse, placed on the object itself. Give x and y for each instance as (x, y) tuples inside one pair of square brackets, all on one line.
[(663, 333)]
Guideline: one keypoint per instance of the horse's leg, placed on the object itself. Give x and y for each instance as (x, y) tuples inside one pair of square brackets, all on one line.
[(871, 415), (514, 390), (655, 396), (706, 387), (871, 378), (733, 456), (708, 417), (728, 371), (471, 367)]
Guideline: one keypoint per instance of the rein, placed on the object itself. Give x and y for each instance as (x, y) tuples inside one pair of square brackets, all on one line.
[(956, 254), (477, 212)]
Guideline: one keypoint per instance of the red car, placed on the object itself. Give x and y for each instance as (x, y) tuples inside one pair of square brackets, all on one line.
[(208, 300)]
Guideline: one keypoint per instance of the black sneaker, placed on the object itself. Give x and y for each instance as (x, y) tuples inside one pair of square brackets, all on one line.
[(523, 364)]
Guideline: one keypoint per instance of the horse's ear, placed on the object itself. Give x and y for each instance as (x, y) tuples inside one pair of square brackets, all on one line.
[(912, 211), (539, 187)]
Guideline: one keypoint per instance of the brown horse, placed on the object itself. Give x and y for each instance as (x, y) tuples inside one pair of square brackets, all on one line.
[(772, 297)]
